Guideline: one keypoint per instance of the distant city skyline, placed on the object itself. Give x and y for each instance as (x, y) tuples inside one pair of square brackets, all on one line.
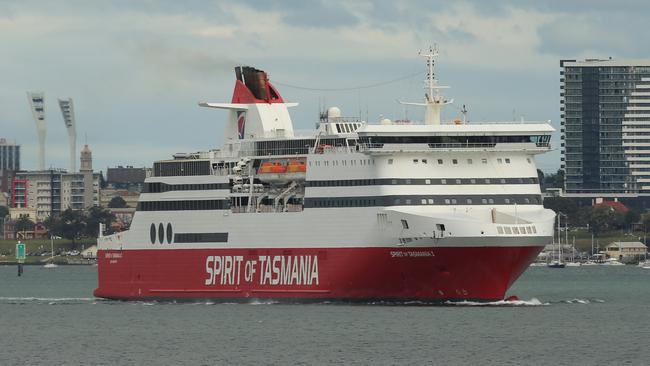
[(137, 71)]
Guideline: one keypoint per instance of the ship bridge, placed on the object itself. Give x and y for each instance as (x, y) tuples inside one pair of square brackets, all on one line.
[(529, 137)]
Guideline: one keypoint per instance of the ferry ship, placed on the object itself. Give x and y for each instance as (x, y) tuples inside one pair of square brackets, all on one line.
[(394, 211)]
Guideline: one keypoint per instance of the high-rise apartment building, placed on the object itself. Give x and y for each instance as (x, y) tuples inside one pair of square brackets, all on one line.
[(605, 117), (9, 163)]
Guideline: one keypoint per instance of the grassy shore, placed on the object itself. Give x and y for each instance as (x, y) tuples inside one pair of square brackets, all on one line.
[(583, 238), (8, 247)]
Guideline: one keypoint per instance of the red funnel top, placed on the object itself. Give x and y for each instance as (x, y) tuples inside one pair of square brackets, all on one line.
[(253, 86)]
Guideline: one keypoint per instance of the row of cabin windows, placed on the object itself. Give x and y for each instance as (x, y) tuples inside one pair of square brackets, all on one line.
[(509, 230), (470, 201), (368, 202), (185, 205), (344, 203), (455, 161), (351, 162), (444, 181), (157, 187)]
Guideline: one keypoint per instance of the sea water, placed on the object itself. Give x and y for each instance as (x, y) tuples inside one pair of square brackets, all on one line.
[(572, 316)]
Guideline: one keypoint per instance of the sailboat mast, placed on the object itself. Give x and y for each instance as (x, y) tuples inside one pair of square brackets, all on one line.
[(559, 236)]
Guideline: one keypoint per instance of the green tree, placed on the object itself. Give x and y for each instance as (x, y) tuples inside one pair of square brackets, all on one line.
[(117, 202), (95, 216), (24, 223), (554, 180), (72, 224), (102, 181), (565, 205), (604, 218), (54, 225), (4, 211), (541, 179), (632, 217)]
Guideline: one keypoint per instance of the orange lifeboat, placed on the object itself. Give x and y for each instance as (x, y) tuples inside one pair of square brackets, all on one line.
[(296, 166), (278, 168), (266, 167)]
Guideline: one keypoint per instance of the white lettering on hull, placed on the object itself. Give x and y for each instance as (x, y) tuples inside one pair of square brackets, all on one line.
[(299, 270)]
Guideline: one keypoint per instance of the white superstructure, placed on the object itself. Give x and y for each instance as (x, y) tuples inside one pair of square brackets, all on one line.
[(352, 183)]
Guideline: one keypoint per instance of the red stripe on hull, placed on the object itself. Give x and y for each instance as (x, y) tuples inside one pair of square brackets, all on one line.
[(428, 274)]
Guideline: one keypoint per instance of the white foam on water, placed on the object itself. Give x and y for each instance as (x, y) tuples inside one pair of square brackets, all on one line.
[(531, 302), (583, 301), (262, 302), (50, 299)]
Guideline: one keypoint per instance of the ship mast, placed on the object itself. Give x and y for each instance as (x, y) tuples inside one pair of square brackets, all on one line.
[(433, 100)]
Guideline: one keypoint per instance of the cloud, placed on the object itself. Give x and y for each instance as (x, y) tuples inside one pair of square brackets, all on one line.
[(137, 69)]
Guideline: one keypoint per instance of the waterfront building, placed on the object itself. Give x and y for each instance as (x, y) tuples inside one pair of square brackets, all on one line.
[(605, 118), (9, 162), (52, 191), (626, 251)]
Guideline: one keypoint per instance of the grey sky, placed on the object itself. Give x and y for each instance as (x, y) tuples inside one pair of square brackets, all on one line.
[(136, 70)]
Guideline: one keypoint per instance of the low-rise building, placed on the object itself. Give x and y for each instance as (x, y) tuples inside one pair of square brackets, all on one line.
[(128, 177), (626, 251), (90, 252), (16, 213)]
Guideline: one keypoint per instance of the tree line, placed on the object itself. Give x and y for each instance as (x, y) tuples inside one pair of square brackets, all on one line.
[(598, 218), (72, 225)]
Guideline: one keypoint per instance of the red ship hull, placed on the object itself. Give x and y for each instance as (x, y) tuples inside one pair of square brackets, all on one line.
[(347, 274)]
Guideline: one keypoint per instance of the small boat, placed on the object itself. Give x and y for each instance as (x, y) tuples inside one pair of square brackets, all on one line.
[(538, 264), (573, 262), (51, 263), (556, 264), (645, 264), (613, 262)]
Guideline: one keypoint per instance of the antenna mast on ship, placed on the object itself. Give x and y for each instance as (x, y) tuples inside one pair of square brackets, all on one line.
[(433, 100)]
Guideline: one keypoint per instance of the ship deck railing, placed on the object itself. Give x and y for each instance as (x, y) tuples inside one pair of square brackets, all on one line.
[(390, 148)]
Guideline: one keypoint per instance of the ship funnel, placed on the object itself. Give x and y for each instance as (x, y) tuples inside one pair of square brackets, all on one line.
[(254, 83)]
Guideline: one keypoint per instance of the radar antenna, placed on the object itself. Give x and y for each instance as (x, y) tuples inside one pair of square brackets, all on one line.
[(433, 99)]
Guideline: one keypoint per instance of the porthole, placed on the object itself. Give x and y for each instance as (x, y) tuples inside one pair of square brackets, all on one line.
[(152, 233), (169, 233), (161, 233)]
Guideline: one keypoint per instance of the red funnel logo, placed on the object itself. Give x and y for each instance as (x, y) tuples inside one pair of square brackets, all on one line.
[(241, 123)]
